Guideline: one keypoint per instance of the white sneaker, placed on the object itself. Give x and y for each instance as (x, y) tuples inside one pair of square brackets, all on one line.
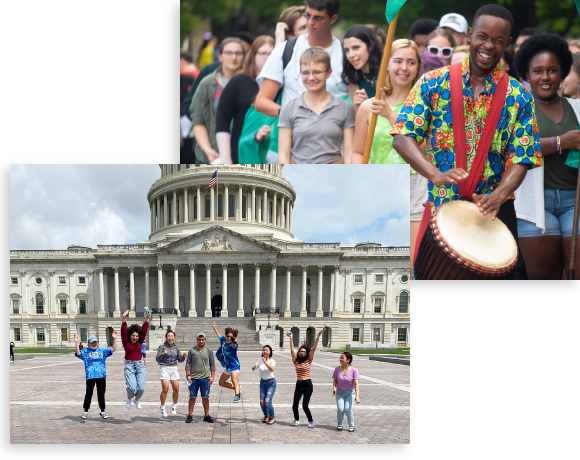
[(85, 415), (174, 409), (310, 424), (103, 415), (128, 405), (163, 411), (295, 423), (137, 404)]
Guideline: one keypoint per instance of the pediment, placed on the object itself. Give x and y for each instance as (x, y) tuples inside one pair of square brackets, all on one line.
[(217, 239)]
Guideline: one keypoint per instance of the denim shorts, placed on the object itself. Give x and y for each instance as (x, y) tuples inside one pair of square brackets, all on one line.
[(559, 215), (202, 385)]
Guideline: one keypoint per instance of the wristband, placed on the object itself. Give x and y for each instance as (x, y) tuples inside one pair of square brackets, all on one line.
[(559, 145), (553, 144)]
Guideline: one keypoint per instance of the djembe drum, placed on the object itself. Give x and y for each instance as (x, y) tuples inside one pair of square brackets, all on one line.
[(461, 243)]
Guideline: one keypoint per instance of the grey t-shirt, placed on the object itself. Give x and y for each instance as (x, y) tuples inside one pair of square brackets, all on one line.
[(200, 363), (316, 138)]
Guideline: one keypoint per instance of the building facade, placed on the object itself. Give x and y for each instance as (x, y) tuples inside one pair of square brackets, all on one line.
[(221, 251)]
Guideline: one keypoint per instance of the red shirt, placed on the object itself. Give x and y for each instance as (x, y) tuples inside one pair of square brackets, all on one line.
[(133, 351)]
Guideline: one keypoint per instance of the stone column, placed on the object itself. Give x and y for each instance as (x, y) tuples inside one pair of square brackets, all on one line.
[(303, 296), (165, 211), (253, 203), (198, 203), (282, 224), (146, 286), (275, 210), (192, 308), (185, 206), (291, 215), (257, 290), (287, 223), (273, 287), (152, 209), (174, 208), (132, 288), (208, 290), (160, 286), (259, 210), (288, 288), (176, 288), (265, 217), (226, 203), (225, 294), (319, 300), (335, 293), (240, 312), (117, 308), (158, 224), (101, 290), (239, 210), (212, 204)]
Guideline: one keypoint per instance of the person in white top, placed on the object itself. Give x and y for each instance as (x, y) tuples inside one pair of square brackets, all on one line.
[(267, 383), (320, 16)]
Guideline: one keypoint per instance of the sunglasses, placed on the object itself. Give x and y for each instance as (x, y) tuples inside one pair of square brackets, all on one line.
[(445, 51), (230, 336)]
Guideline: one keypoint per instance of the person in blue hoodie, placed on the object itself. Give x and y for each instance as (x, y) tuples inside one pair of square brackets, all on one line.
[(95, 370)]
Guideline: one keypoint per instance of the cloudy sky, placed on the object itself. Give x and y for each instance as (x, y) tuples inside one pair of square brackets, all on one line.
[(53, 206)]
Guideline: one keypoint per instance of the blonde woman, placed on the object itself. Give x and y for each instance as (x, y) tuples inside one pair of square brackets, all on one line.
[(403, 72)]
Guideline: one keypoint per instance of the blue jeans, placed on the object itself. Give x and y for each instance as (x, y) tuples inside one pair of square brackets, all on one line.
[(199, 384), (267, 389), (558, 212), (135, 379), (344, 401)]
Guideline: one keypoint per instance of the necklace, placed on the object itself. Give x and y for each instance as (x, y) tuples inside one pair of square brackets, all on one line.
[(549, 102)]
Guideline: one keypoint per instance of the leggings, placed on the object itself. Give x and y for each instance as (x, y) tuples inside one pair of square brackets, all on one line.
[(303, 387), (101, 388)]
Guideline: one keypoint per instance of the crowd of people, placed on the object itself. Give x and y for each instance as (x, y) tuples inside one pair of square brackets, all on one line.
[(200, 371), (308, 97)]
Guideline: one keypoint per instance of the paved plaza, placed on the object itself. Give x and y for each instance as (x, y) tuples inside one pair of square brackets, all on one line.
[(47, 392)]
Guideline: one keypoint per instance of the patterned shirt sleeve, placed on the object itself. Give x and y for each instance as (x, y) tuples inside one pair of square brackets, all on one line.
[(160, 357), (82, 355), (415, 116), (107, 352)]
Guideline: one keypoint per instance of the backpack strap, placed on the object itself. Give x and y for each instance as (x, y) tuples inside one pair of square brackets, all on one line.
[(286, 58)]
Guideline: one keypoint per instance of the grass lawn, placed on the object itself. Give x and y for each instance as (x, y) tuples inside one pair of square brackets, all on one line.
[(394, 351), (43, 350)]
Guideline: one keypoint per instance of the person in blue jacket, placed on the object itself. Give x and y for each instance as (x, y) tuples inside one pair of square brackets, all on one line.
[(95, 370)]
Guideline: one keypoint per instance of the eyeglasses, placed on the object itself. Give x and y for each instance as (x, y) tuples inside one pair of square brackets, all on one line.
[(445, 51), (314, 18), (264, 54), (230, 336), (233, 53), (316, 73)]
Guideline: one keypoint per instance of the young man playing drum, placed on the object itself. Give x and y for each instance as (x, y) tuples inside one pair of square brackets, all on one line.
[(456, 168)]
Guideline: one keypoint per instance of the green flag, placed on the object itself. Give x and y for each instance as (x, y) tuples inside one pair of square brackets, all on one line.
[(393, 7)]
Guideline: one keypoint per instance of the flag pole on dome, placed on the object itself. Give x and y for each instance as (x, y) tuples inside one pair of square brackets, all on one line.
[(391, 13)]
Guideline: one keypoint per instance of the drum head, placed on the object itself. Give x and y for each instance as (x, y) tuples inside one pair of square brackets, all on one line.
[(476, 237)]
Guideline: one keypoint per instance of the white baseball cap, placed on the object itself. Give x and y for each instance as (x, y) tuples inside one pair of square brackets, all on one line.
[(454, 21)]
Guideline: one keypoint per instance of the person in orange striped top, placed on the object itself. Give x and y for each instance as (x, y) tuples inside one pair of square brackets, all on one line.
[(304, 386)]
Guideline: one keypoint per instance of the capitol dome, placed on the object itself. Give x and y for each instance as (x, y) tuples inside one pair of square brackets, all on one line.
[(259, 202)]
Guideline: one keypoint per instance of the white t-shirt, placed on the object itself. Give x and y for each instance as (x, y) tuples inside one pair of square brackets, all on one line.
[(290, 77), (265, 373)]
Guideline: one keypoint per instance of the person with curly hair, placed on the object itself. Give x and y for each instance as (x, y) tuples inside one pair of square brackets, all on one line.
[(361, 64), (132, 337), (227, 355), (545, 201)]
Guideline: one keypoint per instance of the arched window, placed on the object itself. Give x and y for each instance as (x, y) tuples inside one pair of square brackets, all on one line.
[(404, 302), (231, 206), (39, 304), (195, 208), (207, 206), (220, 205), (243, 206)]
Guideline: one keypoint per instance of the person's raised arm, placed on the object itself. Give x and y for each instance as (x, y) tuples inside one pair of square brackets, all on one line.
[(234, 343), (280, 33), (114, 336), (265, 99), (316, 343), (124, 317), (216, 331), (284, 145), (292, 352), (76, 339)]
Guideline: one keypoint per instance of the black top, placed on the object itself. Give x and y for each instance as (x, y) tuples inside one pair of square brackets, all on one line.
[(237, 97)]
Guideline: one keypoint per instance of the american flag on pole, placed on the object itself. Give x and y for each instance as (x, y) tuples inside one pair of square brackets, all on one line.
[(213, 179)]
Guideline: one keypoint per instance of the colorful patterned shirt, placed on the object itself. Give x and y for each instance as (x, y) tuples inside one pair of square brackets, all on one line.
[(227, 355), (95, 361), (303, 369), (427, 114)]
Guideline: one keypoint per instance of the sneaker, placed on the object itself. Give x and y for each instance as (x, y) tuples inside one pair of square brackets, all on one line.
[(208, 419), (339, 428), (350, 429), (189, 419), (265, 419), (163, 411), (271, 420), (128, 405), (85, 415), (137, 404), (174, 409), (310, 424), (103, 415), (295, 423), (236, 398)]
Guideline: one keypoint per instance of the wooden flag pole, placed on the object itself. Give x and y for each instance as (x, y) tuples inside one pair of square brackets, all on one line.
[(380, 83), (572, 268)]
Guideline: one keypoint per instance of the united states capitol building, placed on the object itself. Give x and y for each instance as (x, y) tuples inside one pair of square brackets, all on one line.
[(226, 253)]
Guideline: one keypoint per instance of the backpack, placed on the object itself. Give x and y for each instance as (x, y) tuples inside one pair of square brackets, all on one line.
[(286, 56)]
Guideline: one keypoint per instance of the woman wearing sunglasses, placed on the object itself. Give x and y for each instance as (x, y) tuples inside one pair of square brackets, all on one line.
[(227, 355), (441, 43)]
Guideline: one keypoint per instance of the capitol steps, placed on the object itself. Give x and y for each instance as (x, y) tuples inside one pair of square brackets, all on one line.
[(187, 329)]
